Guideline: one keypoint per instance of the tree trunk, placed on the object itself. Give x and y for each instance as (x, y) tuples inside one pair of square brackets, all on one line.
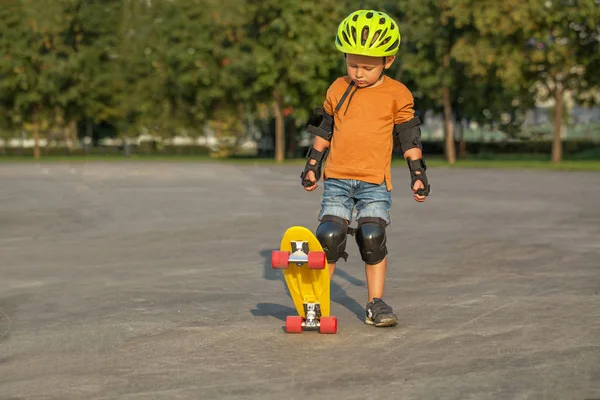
[(279, 129), (36, 134), (557, 140), (450, 149), (446, 99)]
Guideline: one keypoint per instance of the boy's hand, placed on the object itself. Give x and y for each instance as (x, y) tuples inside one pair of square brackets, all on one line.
[(418, 185), (310, 175)]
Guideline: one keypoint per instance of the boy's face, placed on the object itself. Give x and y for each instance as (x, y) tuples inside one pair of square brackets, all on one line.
[(365, 70)]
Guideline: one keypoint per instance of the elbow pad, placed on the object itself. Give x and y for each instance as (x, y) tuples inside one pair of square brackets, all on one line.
[(409, 134), (321, 124)]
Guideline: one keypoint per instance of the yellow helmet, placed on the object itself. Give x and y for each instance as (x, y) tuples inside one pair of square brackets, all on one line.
[(368, 33)]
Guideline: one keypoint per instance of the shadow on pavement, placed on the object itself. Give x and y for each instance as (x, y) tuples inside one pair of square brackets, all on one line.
[(338, 294), (274, 310)]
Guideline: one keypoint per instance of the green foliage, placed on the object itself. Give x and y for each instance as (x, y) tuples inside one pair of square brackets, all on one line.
[(174, 66), (97, 50), (171, 76), (432, 30), (37, 69), (287, 48), (53, 61), (537, 45)]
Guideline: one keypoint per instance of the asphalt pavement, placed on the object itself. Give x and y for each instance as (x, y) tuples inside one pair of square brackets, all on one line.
[(153, 281)]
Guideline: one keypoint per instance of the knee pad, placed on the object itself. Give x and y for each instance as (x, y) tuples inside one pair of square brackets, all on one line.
[(371, 239), (331, 233)]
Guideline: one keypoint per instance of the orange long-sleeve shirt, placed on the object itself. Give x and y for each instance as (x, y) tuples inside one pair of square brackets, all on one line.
[(362, 142)]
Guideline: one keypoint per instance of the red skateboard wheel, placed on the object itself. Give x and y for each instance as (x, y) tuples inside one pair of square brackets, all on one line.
[(279, 259), (317, 259), (293, 324), (328, 325)]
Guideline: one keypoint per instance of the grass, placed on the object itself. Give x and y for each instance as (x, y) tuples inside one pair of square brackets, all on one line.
[(104, 158), (497, 162), (566, 165)]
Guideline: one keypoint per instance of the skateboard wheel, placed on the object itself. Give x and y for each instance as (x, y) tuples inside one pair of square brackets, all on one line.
[(279, 259), (317, 259), (328, 325), (293, 324)]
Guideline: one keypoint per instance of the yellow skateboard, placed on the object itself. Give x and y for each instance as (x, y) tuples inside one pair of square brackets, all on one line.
[(306, 274)]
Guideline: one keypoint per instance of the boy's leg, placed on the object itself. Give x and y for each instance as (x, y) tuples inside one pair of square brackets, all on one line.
[(375, 274), (373, 206), (336, 212)]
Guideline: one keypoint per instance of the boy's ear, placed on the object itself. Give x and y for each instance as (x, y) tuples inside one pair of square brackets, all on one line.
[(389, 61)]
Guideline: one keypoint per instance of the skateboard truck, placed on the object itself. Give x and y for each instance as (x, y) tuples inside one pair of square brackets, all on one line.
[(314, 321), (299, 254), (313, 313)]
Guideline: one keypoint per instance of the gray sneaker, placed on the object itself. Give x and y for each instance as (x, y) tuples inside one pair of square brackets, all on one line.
[(380, 314)]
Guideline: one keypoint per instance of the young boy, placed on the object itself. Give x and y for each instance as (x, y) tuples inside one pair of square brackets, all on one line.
[(355, 129)]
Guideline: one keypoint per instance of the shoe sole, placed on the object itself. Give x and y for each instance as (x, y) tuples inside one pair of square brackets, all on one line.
[(383, 323)]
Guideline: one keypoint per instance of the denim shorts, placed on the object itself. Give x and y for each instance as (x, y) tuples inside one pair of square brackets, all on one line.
[(341, 196)]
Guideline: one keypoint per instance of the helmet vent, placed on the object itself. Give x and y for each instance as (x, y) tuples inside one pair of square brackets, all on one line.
[(394, 45), (384, 41), (383, 34), (346, 37), (365, 35), (375, 37)]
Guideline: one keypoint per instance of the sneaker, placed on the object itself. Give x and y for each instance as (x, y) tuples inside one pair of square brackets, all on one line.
[(380, 314)]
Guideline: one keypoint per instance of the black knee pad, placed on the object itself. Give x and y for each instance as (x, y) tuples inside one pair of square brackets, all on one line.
[(371, 239), (331, 233)]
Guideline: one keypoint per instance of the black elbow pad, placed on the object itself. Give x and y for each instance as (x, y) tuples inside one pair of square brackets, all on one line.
[(409, 134), (321, 124)]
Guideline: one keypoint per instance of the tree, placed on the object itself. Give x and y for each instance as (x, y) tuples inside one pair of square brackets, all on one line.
[(9, 22), (173, 57), (33, 60), (96, 45), (43, 73), (548, 47), (288, 58), (428, 35)]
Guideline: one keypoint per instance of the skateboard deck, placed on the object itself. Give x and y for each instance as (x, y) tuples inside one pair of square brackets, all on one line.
[(306, 273)]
